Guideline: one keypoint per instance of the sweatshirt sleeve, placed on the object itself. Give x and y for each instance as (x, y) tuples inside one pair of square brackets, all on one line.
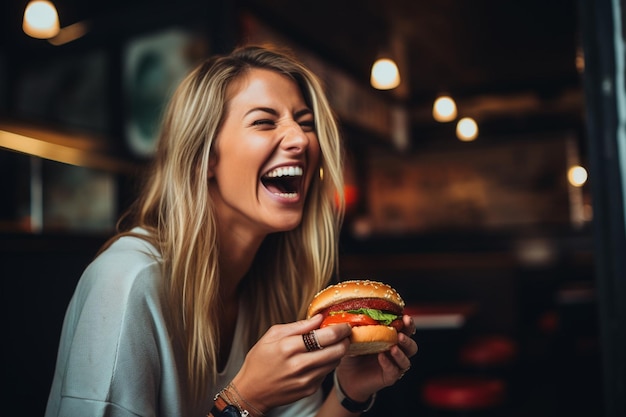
[(114, 345)]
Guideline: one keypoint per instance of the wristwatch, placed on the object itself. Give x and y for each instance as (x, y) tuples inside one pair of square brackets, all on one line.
[(222, 409), (348, 403)]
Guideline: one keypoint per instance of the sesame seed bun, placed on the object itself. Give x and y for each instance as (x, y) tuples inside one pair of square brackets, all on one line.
[(350, 290)]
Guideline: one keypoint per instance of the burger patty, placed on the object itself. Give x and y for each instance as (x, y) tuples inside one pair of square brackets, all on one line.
[(355, 304)]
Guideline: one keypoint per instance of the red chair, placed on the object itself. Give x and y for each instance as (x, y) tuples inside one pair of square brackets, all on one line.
[(483, 387), (464, 394), (489, 352)]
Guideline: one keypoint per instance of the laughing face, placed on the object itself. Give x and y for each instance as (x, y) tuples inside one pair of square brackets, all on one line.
[(265, 156)]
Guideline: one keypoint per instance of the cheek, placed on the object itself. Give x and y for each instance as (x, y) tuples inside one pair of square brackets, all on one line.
[(314, 152), (316, 164)]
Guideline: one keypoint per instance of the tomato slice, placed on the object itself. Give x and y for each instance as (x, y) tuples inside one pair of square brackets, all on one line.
[(350, 318), (397, 324)]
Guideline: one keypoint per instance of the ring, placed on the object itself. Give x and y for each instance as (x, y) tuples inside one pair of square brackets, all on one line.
[(403, 371), (310, 341)]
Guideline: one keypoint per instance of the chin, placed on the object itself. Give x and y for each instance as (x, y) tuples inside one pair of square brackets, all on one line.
[(289, 226), (280, 222)]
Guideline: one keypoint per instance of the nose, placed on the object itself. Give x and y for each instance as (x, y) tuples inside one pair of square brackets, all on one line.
[(294, 138)]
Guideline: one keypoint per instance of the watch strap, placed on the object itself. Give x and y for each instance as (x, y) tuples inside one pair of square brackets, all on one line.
[(223, 409), (350, 404)]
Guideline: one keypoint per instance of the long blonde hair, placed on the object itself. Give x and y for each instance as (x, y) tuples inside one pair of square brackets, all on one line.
[(176, 209)]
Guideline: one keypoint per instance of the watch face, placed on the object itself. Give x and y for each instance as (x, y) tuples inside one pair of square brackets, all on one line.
[(230, 411)]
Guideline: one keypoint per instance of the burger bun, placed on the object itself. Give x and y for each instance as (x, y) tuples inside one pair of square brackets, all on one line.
[(371, 339), (350, 290)]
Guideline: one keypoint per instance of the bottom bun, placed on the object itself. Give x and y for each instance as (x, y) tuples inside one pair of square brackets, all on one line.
[(372, 339)]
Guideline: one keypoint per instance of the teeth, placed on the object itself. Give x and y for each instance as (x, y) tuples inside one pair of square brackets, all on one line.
[(285, 172), (287, 195)]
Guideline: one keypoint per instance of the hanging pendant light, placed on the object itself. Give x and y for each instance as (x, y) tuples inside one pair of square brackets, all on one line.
[(41, 20), (466, 129), (444, 109), (385, 74)]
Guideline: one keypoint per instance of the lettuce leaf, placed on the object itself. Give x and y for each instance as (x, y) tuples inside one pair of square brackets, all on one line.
[(382, 317)]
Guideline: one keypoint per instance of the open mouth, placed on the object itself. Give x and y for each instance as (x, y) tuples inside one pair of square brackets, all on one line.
[(284, 181)]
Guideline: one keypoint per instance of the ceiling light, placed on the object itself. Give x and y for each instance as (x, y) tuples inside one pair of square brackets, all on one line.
[(385, 74), (577, 176), (466, 129), (444, 109), (41, 20)]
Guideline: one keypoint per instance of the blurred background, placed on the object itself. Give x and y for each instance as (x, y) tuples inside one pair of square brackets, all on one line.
[(485, 182)]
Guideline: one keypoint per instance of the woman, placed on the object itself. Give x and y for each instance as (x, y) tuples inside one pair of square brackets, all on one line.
[(191, 309)]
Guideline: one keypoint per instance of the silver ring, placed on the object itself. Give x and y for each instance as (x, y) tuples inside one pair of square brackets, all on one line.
[(310, 341)]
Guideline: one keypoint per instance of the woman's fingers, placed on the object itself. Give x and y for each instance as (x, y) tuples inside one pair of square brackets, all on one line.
[(331, 335), (409, 325), (401, 360), (407, 345)]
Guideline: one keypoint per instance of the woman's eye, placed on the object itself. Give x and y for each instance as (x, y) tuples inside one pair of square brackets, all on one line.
[(308, 125), (263, 122)]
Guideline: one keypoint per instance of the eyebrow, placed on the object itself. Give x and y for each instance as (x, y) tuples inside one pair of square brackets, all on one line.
[(273, 112)]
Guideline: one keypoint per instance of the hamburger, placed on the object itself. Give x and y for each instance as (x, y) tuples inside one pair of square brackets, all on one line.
[(373, 309)]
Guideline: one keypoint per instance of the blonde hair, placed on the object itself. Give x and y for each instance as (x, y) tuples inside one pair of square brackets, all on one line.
[(176, 209)]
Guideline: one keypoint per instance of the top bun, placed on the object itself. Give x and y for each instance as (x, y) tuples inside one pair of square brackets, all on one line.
[(350, 290)]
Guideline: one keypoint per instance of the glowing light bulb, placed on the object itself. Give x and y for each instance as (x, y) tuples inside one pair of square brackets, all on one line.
[(385, 74), (577, 176), (466, 129), (41, 20), (444, 109)]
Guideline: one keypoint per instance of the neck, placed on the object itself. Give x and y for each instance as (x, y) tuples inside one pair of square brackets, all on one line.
[(237, 251)]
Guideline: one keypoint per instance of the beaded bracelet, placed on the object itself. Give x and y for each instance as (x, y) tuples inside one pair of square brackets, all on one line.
[(257, 412), (228, 399)]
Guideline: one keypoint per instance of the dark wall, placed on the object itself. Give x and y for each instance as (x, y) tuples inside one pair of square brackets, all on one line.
[(38, 275)]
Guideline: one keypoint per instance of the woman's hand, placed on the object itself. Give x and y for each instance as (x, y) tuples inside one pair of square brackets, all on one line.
[(361, 376), (279, 369)]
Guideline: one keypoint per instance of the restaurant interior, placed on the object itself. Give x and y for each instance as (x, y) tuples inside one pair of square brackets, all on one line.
[(499, 218)]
